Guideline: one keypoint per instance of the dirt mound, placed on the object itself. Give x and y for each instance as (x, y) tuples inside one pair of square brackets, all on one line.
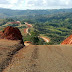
[(1, 33), (11, 33), (67, 41)]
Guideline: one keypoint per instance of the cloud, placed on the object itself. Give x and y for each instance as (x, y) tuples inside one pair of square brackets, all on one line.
[(12, 4), (36, 4), (4, 2), (47, 4), (12, 1)]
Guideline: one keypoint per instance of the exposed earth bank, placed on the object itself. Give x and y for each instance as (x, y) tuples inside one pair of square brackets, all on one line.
[(11, 33)]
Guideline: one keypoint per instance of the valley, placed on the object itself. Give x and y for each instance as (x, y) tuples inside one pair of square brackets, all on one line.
[(36, 40)]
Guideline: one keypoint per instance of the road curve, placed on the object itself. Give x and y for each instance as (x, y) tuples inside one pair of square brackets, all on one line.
[(45, 39), (30, 25), (26, 30), (42, 58)]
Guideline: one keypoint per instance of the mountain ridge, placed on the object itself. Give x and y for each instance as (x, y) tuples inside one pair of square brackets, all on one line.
[(4, 13)]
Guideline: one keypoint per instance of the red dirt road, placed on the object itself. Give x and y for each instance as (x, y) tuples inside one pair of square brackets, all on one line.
[(42, 58), (29, 25), (45, 39), (26, 30)]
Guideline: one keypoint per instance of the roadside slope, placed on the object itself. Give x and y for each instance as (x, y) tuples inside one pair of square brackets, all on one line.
[(7, 49), (42, 58)]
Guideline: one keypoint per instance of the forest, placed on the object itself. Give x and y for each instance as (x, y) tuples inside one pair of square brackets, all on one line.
[(54, 24)]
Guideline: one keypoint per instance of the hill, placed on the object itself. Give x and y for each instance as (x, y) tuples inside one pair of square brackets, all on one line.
[(4, 13), (55, 24)]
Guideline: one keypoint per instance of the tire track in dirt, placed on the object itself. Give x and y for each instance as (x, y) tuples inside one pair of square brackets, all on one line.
[(42, 58), (35, 53), (34, 61)]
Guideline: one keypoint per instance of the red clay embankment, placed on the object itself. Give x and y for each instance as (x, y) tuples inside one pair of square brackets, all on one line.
[(67, 41)]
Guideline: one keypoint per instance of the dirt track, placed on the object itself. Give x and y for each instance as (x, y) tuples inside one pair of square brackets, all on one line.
[(30, 25), (42, 58), (45, 39), (26, 30)]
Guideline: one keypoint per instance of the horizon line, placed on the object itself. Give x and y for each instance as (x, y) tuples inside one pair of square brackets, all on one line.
[(36, 9)]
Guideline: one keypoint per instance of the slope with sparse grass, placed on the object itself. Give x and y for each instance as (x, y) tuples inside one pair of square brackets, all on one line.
[(7, 49)]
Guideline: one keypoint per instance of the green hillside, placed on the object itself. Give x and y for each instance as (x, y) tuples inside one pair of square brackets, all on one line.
[(54, 24), (4, 13)]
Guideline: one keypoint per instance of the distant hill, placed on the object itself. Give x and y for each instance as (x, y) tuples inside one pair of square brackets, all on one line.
[(4, 13), (55, 24)]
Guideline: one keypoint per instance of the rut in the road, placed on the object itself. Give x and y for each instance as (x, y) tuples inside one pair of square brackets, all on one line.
[(35, 53), (34, 62)]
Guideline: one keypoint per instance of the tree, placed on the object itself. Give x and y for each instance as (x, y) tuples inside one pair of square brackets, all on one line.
[(34, 37)]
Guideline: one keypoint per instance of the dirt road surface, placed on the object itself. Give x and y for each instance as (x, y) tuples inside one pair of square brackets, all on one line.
[(26, 30), (45, 39), (42, 58), (29, 25)]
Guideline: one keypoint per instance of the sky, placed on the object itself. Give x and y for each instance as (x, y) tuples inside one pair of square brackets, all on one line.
[(35, 4)]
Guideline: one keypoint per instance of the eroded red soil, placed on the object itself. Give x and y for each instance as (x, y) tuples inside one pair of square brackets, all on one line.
[(67, 41)]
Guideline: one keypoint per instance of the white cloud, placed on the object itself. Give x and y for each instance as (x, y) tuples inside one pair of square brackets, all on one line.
[(4, 2), (13, 1), (35, 4), (50, 4)]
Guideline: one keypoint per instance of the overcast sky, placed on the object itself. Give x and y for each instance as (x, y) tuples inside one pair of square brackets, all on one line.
[(35, 4)]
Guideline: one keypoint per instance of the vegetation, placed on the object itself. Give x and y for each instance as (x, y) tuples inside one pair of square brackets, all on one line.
[(55, 24), (34, 38), (5, 13)]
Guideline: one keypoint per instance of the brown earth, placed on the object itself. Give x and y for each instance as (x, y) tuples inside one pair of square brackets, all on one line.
[(26, 30), (27, 43), (42, 58), (29, 25), (7, 49), (11, 33), (67, 41), (16, 22), (1, 33)]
